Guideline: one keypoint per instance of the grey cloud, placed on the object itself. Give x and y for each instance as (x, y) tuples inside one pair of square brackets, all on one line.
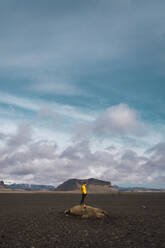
[(41, 162), (156, 159), (77, 151), (160, 179), (21, 170), (22, 137), (110, 148), (43, 150), (158, 149), (2, 136), (129, 156)]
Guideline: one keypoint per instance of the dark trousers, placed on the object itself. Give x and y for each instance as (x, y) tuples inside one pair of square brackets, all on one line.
[(83, 198)]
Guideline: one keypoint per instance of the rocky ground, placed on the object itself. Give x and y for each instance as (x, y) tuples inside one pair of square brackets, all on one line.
[(137, 220)]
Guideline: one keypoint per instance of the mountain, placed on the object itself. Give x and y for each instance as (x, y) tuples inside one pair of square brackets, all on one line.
[(137, 189), (31, 187), (93, 185), (3, 186), (74, 185)]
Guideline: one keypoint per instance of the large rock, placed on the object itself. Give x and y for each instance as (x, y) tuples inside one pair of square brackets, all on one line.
[(93, 186), (86, 212)]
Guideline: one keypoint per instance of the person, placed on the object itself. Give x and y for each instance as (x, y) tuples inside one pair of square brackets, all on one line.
[(84, 193)]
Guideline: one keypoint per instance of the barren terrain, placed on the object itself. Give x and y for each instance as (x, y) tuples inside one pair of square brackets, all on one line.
[(38, 220)]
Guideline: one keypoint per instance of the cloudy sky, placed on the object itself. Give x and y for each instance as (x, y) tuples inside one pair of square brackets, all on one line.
[(82, 91)]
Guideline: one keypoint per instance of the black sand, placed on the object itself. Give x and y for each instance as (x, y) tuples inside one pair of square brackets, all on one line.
[(37, 220)]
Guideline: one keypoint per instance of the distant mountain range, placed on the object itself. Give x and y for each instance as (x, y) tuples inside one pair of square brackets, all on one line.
[(136, 189), (74, 185), (27, 187), (31, 187)]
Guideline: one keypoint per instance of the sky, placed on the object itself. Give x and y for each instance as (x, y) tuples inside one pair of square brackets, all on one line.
[(82, 91)]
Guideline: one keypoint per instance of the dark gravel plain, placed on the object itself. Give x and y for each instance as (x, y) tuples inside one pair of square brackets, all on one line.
[(137, 220)]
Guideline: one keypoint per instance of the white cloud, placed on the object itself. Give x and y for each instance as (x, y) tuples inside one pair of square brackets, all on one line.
[(118, 120), (21, 102), (37, 104)]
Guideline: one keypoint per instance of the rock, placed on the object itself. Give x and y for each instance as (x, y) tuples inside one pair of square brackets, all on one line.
[(86, 212)]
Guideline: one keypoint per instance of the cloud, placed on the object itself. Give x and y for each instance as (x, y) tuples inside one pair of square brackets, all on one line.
[(46, 112), (77, 151), (21, 102), (158, 149), (25, 159), (57, 87), (36, 105), (118, 120), (66, 54), (156, 161), (52, 40), (68, 61), (22, 137)]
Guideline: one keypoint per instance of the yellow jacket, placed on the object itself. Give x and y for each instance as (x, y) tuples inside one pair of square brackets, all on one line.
[(83, 189)]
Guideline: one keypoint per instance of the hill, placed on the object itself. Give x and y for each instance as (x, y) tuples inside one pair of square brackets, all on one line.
[(3, 186), (93, 185)]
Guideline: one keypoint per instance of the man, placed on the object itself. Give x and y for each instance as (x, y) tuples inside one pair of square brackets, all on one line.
[(84, 193)]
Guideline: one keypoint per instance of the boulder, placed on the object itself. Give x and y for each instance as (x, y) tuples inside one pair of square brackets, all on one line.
[(86, 212)]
